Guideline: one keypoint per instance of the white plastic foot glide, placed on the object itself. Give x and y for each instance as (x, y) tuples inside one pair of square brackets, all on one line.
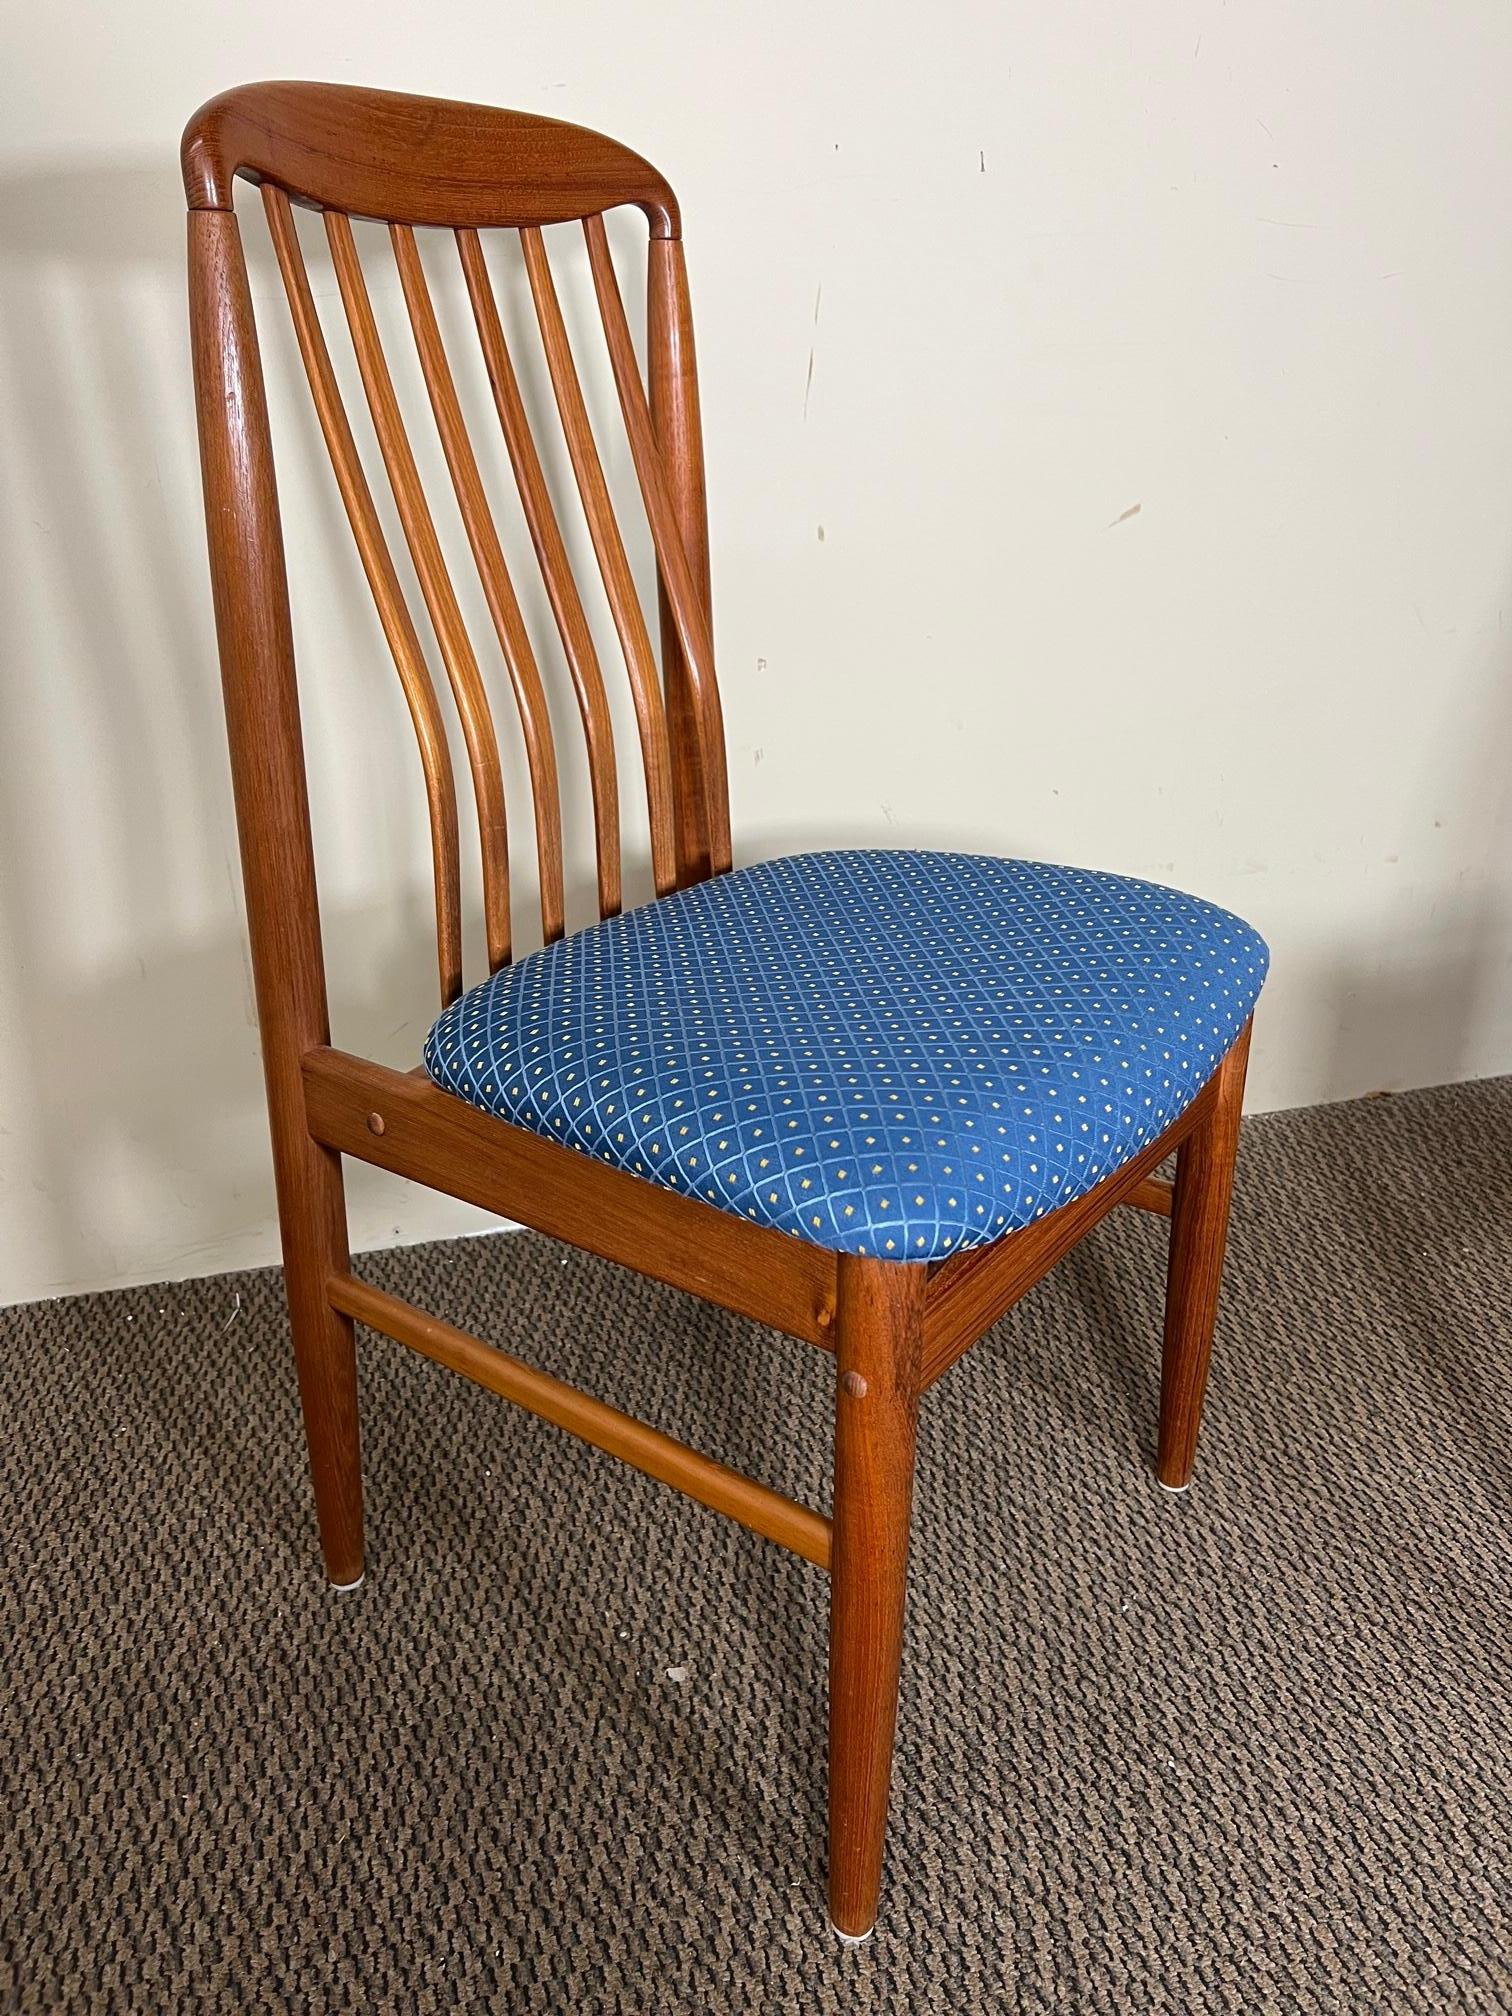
[(1176, 1490), (852, 1938), (345, 1588)]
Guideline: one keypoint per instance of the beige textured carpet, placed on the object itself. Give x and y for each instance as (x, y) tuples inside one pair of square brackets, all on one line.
[(1246, 1750)]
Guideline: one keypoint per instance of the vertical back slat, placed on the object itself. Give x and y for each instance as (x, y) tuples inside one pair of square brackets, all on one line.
[(686, 604), (393, 614), (493, 572), (614, 566), (556, 571), (435, 584)]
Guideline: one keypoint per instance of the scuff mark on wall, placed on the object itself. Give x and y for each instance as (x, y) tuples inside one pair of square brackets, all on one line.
[(808, 383)]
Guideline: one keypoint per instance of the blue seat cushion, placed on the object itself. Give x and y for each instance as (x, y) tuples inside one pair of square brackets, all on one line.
[(897, 1054)]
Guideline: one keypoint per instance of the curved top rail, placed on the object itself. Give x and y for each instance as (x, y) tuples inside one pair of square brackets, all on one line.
[(407, 160)]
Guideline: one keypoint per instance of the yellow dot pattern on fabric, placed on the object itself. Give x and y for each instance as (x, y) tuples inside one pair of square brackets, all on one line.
[(895, 1054)]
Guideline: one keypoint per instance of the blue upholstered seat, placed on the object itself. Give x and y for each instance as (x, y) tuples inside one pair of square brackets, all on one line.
[(898, 1054)]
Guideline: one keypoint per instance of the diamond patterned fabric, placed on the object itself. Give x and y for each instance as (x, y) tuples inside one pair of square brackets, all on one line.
[(896, 1054)]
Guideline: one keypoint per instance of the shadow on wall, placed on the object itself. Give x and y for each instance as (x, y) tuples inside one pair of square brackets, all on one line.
[(100, 712), (134, 1096)]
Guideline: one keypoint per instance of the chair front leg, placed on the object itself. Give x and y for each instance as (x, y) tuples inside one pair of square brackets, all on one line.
[(1199, 1232), (879, 1329)]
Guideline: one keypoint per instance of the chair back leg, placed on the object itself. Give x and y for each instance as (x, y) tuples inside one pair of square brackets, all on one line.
[(1199, 1232), (879, 1334), (278, 863), (312, 1218)]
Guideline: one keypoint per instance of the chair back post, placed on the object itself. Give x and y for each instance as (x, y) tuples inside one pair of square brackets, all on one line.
[(676, 419), (257, 673)]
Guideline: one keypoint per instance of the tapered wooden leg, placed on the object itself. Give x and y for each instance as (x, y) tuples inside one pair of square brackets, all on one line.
[(879, 1323), (312, 1213), (1199, 1232)]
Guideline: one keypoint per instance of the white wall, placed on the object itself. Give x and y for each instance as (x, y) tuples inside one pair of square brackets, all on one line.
[(1110, 435)]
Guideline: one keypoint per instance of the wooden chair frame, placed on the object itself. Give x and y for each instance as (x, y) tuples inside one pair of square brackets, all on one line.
[(891, 1329)]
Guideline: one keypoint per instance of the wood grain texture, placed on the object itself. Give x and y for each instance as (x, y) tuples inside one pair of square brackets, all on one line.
[(388, 597), (556, 570), (684, 599), (673, 374), (614, 564), (1151, 1195), (878, 1340), (278, 865), (410, 160), (968, 1294), (646, 1449), (1199, 1235), (435, 1138), (440, 596), (493, 573)]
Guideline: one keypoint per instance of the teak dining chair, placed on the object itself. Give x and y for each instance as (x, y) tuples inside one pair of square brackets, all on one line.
[(867, 1098)]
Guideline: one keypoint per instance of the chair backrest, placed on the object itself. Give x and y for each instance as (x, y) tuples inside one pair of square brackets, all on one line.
[(414, 163)]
